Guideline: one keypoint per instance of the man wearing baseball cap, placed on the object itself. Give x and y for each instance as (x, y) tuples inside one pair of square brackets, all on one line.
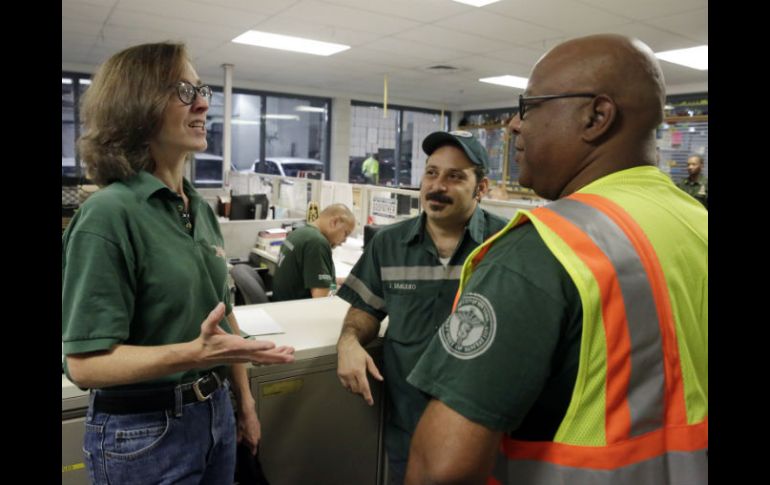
[(410, 272)]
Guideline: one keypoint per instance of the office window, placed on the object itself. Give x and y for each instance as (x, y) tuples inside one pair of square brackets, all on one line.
[(246, 140), (281, 134), (417, 126), (296, 127), (281, 127), (206, 170), (395, 141), (68, 166), (73, 86)]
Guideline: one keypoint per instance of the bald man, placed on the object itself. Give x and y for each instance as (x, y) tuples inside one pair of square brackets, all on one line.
[(305, 266), (577, 347)]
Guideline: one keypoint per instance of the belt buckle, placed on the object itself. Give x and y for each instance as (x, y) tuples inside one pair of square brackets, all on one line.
[(197, 389)]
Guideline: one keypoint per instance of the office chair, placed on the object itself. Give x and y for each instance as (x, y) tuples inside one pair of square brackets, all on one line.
[(249, 285)]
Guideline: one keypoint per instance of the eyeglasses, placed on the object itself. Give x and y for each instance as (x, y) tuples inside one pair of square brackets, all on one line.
[(187, 92), (523, 100)]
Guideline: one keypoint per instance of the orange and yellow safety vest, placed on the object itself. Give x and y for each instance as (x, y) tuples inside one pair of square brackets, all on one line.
[(639, 409)]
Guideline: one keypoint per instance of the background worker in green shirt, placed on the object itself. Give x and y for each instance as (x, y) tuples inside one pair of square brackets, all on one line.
[(410, 272), (147, 324), (696, 183), (305, 266), (371, 170)]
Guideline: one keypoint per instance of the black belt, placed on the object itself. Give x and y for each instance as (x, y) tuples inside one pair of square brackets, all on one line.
[(152, 400)]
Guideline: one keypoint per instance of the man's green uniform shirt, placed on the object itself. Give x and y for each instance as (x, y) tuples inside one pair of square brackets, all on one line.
[(400, 275), (133, 274), (508, 357), (305, 262), (699, 189)]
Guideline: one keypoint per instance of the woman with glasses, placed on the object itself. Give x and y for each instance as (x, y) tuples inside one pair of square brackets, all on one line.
[(147, 323)]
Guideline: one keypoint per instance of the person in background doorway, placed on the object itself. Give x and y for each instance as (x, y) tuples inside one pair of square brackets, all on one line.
[(147, 323), (371, 170), (696, 183), (577, 350), (409, 271), (305, 266)]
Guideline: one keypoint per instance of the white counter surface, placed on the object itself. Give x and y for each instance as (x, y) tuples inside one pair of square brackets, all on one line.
[(311, 326)]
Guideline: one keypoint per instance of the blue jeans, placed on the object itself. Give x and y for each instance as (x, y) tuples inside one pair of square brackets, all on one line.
[(192, 444)]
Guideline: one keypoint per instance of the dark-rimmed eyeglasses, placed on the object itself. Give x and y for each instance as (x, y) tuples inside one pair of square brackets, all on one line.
[(523, 100), (187, 92)]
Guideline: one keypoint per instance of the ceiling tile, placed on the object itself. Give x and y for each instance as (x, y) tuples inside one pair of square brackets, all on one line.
[(398, 38), (560, 15), (693, 25), (640, 10), (424, 11), (495, 26)]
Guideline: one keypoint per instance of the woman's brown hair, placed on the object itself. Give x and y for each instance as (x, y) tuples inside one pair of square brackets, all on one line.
[(123, 109)]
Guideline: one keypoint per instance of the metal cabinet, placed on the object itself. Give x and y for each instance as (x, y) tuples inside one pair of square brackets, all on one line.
[(73, 469), (313, 430)]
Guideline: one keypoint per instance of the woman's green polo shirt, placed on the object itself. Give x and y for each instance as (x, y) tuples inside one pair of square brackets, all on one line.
[(133, 274)]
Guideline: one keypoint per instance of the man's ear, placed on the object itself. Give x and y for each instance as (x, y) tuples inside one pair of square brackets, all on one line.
[(481, 189), (600, 119)]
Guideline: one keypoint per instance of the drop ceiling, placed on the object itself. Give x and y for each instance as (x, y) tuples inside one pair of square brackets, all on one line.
[(399, 39)]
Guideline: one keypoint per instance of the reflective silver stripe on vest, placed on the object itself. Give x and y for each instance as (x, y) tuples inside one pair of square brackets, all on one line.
[(646, 386), (288, 244), (675, 467), (364, 292), (393, 273)]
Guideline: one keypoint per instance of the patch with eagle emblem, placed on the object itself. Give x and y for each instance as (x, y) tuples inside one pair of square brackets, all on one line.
[(470, 330)]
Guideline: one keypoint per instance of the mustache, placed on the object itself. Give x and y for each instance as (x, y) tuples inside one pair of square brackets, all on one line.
[(439, 197)]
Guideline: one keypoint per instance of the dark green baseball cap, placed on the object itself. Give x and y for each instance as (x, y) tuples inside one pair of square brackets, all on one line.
[(465, 140)]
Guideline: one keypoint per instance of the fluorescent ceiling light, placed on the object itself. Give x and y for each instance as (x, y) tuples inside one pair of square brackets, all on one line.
[(282, 117), (245, 122), (289, 43), (65, 80), (310, 109), (507, 80), (694, 57), (84, 81), (476, 3)]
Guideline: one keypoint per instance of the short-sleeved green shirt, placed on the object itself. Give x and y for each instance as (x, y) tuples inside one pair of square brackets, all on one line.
[(305, 262), (508, 357), (133, 274), (698, 189), (400, 275)]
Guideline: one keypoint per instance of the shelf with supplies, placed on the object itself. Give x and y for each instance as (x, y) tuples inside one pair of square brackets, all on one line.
[(490, 127), (684, 132)]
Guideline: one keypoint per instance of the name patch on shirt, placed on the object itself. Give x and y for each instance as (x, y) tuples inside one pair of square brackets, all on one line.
[(326, 277), (403, 286), (470, 330)]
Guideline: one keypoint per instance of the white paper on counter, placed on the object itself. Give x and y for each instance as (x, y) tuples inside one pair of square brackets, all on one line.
[(256, 321)]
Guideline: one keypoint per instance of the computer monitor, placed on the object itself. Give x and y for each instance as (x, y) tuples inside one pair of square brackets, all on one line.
[(403, 204), (252, 206)]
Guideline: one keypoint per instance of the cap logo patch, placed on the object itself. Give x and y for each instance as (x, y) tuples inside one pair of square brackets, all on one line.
[(470, 330), (462, 133)]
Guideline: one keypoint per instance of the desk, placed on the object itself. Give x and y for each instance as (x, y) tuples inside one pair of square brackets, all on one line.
[(311, 426)]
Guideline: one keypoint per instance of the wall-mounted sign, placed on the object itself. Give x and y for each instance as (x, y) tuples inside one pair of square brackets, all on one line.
[(384, 207)]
